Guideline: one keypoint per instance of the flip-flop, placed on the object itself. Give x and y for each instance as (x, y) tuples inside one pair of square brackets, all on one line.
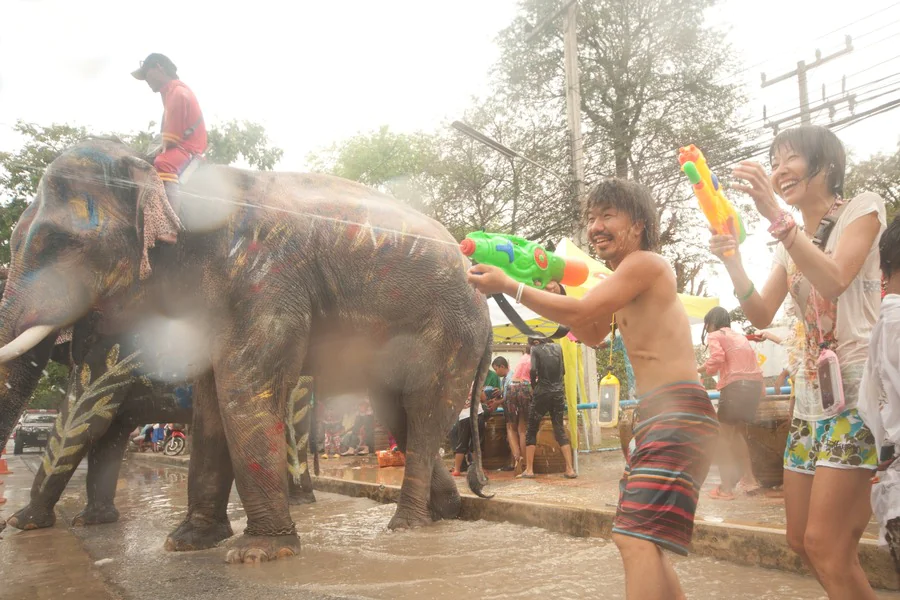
[(572, 476), (717, 494), (524, 476)]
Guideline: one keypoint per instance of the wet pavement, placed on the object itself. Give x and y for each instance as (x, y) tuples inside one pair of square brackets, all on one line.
[(347, 552), (596, 487)]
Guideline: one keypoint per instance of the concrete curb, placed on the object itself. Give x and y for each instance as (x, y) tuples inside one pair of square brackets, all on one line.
[(157, 459), (741, 544)]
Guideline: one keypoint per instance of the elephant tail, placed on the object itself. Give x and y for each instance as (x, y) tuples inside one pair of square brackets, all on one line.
[(313, 436), (475, 475)]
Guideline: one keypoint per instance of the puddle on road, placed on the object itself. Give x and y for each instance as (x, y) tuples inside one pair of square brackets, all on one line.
[(349, 553)]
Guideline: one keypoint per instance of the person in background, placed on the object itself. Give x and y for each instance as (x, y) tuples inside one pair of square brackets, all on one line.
[(830, 269), (333, 429), (517, 406), (361, 435), (879, 396), (741, 386), (547, 372)]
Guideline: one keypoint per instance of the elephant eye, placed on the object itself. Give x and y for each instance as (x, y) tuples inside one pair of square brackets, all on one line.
[(47, 242)]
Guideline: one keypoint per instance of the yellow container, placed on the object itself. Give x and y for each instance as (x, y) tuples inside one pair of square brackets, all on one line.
[(609, 401)]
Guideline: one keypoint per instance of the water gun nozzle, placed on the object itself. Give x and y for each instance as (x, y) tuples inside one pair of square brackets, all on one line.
[(467, 246), (575, 273)]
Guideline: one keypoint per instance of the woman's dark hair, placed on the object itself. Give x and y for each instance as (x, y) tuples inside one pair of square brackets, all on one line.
[(889, 247), (717, 318), (635, 199), (821, 149)]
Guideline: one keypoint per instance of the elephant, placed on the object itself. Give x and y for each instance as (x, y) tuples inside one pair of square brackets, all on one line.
[(107, 436), (267, 278)]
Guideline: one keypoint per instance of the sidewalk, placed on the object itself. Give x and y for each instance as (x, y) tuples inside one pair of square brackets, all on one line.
[(748, 530)]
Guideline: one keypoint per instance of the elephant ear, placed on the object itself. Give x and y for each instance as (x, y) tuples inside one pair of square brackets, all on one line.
[(160, 223)]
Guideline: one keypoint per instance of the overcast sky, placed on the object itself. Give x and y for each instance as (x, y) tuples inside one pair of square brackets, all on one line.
[(316, 72)]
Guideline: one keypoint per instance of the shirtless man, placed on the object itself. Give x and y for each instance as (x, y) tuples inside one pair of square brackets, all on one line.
[(675, 425)]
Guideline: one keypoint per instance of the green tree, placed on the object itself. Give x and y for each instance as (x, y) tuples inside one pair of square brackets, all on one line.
[(458, 181), (651, 81), (879, 174), (233, 141), (398, 164), (51, 387)]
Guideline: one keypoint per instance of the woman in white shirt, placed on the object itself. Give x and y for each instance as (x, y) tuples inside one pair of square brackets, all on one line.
[(829, 460)]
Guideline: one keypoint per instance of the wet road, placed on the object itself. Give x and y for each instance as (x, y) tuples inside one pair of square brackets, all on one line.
[(347, 553)]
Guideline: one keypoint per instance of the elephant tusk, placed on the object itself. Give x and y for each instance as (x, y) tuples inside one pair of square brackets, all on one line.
[(30, 338)]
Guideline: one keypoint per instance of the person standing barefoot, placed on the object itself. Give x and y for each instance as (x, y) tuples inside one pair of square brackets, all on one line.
[(741, 386)]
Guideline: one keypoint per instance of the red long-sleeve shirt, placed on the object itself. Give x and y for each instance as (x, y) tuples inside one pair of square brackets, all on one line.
[(181, 112)]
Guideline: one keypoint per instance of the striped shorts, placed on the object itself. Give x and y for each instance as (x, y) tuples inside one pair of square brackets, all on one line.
[(675, 432)]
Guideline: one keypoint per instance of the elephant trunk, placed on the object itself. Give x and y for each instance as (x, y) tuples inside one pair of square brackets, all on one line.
[(24, 358)]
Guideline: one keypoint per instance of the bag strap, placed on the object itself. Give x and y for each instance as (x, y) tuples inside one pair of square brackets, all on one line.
[(520, 324), (826, 225), (823, 232)]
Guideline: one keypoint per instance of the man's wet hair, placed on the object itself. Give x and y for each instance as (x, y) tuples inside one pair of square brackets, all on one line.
[(889, 247), (500, 362), (822, 150), (633, 198), (717, 318)]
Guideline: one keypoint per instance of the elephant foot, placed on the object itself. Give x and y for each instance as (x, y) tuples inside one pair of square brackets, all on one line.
[(96, 514), (406, 518), (198, 534), (254, 549), (32, 517), (298, 497)]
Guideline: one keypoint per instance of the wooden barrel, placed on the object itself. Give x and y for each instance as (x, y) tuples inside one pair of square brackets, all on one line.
[(626, 427), (766, 438), (495, 452), (548, 457)]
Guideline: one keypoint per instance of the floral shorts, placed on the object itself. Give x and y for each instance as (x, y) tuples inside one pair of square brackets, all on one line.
[(842, 442)]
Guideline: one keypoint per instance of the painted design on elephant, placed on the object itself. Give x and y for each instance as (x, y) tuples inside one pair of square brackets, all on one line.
[(298, 415), (86, 400), (89, 215), (119, 278)]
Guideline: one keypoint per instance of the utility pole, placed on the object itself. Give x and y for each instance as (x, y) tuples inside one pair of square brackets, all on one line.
[(573, 109), (806, 112)]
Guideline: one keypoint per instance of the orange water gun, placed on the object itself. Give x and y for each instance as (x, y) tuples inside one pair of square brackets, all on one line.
[(715, 206)]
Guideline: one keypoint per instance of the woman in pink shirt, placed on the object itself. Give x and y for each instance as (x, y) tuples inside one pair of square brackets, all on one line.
[(741, 388)]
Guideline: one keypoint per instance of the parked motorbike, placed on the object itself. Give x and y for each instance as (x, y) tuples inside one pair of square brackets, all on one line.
[(175, 440)]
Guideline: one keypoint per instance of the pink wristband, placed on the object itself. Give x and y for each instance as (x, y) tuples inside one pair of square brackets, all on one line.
[(782, 226)]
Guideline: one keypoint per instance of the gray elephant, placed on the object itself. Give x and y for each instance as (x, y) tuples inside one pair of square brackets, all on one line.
[(268, 277)]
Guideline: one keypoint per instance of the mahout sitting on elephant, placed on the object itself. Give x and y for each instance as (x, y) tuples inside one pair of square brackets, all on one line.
[(264, 278)]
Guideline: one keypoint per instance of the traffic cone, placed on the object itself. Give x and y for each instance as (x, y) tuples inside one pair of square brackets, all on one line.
[(4, 468)]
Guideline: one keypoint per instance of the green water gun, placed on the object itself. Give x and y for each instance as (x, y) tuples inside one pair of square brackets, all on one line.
[(525, 261)]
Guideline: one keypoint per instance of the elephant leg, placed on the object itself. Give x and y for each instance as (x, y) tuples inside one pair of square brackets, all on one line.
[(445, 501), (83, 417), (301, 414), (104, 461), (253, 403), (210, 476)]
